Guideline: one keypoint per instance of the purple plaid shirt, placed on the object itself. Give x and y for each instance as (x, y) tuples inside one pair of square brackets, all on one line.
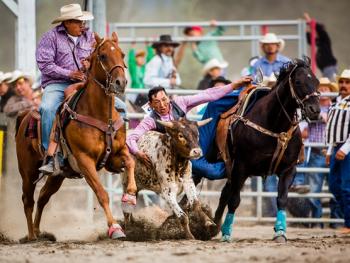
[(317, 130), (54, 54)]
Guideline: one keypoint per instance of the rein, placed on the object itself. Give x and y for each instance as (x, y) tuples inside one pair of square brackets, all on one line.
[(111, 84)]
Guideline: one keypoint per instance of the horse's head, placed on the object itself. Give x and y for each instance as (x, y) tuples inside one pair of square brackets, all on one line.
[(107, 65), (303, 87), (185, 136)]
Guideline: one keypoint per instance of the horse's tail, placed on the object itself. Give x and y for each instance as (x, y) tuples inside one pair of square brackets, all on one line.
[(19, 120)]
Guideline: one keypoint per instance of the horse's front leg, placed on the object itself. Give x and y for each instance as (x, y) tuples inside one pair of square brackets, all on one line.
[(88, 168), (285, 180)]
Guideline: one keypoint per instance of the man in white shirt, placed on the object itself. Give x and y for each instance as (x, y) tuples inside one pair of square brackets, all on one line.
[(161, 71)]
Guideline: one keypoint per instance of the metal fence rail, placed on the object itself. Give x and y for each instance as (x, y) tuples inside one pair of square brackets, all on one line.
[(241, 31)]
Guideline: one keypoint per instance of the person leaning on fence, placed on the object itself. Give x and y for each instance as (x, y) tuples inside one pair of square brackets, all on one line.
[(165, 109), (211, 70), (338, 139), (160, 70), (5, 91), (272, 61), (137, 61), (325, 59), (206, 50), (23, 99), (315, 132)]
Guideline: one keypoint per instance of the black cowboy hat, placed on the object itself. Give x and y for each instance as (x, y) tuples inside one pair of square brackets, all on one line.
[(165, 39), (219, 80)]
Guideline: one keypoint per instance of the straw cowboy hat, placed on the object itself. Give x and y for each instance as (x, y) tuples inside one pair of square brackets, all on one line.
[(17, 74), (214, 63), (271, 38), (344, 75), (5, 76), (165, 39), (326, 82), (72, 11)]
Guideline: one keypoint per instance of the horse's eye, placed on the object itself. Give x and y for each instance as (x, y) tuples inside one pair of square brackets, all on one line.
[(298, 82), (103, 57)]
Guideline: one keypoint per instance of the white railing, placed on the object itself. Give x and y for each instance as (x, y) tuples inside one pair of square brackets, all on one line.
[(236, 31)]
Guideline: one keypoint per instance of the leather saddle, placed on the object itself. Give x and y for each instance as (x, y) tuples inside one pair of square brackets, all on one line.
[(246, 100)]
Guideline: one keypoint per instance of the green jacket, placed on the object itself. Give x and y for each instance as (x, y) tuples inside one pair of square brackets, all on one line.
[(209, 49), (137, 73)]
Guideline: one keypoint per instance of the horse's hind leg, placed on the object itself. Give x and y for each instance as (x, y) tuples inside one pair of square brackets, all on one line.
[(285, 180), (225, 193), (88, 168), (51, 186)]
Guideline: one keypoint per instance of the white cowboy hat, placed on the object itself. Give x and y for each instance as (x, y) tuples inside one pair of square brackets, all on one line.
[(326, 82), (214, 63), (271, 38), (344, 75), (17, 74), (72, 11), (5, 76)]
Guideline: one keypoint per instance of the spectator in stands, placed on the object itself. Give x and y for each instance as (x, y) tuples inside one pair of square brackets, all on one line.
[(137, 64), (315, 132), (211, 70), (325, 59), (270, 64), (5, 91), (23, 100), (161, 71), (37, 96), (338, 139), (206, 50), (272, 61)]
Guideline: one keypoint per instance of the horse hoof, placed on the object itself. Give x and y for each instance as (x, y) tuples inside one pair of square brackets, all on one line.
[(25, 240), (45, 236), (116, 232), (128, 203), (226, 238), (280, 237)]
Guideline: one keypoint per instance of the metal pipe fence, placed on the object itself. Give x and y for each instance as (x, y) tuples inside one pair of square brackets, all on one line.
[(236, 31)]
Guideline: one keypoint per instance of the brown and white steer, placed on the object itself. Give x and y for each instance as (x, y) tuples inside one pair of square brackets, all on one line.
[(171, 173)]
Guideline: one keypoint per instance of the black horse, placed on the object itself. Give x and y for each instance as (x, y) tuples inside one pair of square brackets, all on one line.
[(255, 149)]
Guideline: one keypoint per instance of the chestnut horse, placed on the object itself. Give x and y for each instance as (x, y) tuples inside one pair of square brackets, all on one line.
[(88, 144)]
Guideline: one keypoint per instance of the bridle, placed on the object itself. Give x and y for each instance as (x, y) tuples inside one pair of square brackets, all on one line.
[(111, 86), (297, 99)]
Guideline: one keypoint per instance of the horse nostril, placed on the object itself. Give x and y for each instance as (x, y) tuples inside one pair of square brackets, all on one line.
[(117, 82)]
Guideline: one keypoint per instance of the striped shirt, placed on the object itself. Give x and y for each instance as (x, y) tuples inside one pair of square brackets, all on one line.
[(337, 130)]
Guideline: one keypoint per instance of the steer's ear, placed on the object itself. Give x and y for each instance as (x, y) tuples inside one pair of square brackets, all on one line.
[(204, 122), (167, 124)]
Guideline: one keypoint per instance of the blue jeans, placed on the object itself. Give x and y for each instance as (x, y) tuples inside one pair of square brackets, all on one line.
[(270, 203), (52, 98), (212, 171), (339, 183)]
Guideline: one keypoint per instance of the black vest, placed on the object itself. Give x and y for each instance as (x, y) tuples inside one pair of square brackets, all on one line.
[(177, 114)]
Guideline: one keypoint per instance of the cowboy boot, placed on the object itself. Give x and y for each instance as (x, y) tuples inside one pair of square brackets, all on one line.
[(48, 165)]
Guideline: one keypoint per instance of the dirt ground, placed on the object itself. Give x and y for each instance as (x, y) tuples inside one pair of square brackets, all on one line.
[(250, 244)]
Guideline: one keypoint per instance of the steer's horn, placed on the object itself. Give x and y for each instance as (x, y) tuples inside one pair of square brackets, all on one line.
[(204, 122), (166, 124)]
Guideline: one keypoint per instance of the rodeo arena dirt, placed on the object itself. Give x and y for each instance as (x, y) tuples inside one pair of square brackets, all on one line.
[(221, 140)]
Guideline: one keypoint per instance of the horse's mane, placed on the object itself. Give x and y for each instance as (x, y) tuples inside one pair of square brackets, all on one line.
[(288, 67)]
